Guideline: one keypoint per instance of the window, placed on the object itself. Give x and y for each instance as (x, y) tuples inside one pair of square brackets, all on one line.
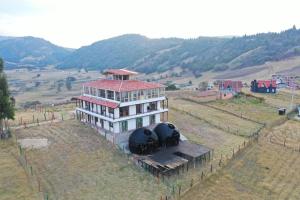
[(149, 94), (152, 106), (93, 91), (111, 125), (134, 95), (103, 110), (139, 108), (139, 122), (86, 90), (111, 110), (152, 119), (110, 94), (124, 111), (101, 93), (124, 126), (124, 96), (117, 96)]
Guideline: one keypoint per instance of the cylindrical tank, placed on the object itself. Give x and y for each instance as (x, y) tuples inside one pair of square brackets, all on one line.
[(143, 141), (167, 134)]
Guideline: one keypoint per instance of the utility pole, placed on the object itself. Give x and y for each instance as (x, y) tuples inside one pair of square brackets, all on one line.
[(293, 94)]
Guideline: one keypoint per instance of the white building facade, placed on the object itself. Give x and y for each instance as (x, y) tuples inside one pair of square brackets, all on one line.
[(119, 104)]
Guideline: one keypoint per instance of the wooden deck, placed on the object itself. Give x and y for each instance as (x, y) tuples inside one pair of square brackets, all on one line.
[(167, 161)]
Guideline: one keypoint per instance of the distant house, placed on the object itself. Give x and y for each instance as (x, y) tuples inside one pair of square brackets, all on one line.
[(229, 88), (299, 110), (230, 85), (264, 86)]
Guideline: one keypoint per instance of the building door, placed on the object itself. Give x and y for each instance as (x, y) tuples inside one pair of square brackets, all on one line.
[(152, 119), (139, 108), (139, 122), (124, 126), (102, 123)]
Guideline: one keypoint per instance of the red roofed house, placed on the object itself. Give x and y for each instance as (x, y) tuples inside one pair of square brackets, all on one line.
[(229, 88), (264, 86), (119, 104)]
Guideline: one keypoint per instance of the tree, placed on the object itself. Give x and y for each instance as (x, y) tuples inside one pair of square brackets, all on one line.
[(7, 110)]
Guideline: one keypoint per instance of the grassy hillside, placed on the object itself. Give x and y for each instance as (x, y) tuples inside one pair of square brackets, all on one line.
[(122, 51), (196, 55), (30, 52)]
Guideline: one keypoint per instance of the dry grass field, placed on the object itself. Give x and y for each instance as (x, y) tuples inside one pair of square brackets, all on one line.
[(80, 164), (281, 99), (249, 107), (42, 85), (14, 182), (264, 171), (287, 134), (42, 114), (222, 120)]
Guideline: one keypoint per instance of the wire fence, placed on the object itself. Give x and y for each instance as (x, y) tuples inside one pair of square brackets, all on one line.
[(32, 173), (207, 170)]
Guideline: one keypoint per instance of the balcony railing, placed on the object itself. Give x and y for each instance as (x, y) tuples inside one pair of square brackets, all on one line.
[(112, 116)]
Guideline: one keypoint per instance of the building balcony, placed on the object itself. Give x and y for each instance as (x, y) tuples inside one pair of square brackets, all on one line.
[(112, 118)]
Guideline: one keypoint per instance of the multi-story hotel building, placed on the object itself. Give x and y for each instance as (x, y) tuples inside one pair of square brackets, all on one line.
[(120, 104)]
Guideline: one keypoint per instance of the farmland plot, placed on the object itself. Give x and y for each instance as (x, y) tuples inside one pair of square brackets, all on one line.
[(264, 171), (224, 121)]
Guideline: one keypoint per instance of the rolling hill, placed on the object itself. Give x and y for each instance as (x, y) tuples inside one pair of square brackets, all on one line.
[(142, 54), (30, 52)]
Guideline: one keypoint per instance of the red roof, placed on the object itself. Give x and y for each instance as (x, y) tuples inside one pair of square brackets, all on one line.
[(98, 101), (120, 72), (266, 83), (122, 86), (234, 85)]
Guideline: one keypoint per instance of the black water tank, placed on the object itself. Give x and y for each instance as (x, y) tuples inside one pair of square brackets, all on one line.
[(167, 134), (143, 141)]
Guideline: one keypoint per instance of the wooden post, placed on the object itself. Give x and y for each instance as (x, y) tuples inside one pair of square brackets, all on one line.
[(179, 190), (192, 182), (211, 168), (39, 185)]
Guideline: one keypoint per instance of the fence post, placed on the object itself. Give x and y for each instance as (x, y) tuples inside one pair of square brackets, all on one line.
[(192, 182)]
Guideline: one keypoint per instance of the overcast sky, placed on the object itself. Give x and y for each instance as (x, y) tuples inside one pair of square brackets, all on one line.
[(74, 23)]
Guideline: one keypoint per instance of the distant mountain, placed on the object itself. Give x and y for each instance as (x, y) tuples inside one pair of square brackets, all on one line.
[(30, 52), (198, 55), (121, 51), (156, 55), (219, 54)]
